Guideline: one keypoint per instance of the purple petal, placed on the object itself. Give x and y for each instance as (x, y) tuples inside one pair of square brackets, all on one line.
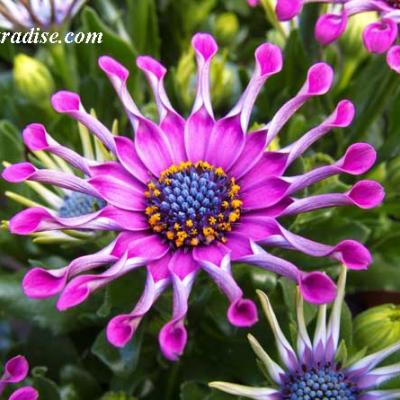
[(239, 245), (253, 150), (268, 62), (197, 134), (266, 193), (205, 47), (119, 193), (39, 283), (170, 121), (37, 139), (183, 264), (140, 245), (358, 159), (129, 158), (213, 253), (69, 103), (319, 81), (25, 393), (227, 134), (241, 312), (121, 328), (153, 147)]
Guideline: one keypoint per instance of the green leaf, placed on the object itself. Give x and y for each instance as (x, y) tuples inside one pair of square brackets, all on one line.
[(46, 387), (122, 361), (143, 26)]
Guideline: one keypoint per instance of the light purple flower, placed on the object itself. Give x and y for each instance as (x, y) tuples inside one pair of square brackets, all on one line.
[(314, 367), (253, 3), (15, 371), (18, 14), (196, 193), (378, 37)]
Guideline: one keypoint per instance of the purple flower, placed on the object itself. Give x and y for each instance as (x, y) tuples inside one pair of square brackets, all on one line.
[(314, 368), (378, 37), (15, 371), (18, 14), (194, 194)]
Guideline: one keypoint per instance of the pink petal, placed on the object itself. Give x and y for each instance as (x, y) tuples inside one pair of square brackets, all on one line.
[(393, 58), (359, 158), (18, 172), (354, 255), (227, 134), (367, 194), (152, 147), (319, 79), (25, 393), (317, 288), (252, 152), (27, 221), (119, 194), (265, 194), (183, 264), (15, 370), (239, 244), (379, 36), (35, 137), (128, 157), (330, 27), (213, 253), (121, 329), (64, 102), (197, 134), (243, 313), (173, 339), (39, 283), (288, 9), (113, 68)]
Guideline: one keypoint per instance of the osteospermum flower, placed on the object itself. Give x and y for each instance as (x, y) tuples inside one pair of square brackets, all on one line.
[(378, 37), (15, 371), (26, 14), (313, 369), (62, 202), (195, 193)]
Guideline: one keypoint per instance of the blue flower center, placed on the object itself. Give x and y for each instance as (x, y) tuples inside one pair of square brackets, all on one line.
[(77, 204), (320, 383), (193, 204)]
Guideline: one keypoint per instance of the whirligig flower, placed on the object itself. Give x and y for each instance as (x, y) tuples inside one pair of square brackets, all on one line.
[(27, 14), (379, 37), (192, 194), (314, 369), (15, 371)]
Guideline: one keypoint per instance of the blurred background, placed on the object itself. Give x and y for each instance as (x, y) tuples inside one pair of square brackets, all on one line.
[(69, 352)]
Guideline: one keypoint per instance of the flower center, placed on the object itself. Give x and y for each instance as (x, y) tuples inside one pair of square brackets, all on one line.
[(321, 382), (193, 204), (77, 204), (394, 3)]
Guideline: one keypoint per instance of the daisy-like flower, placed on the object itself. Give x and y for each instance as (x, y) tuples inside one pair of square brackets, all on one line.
[(15, 371), (27, 14), (193, 194), (62, 202), (313, 369), (379, 37)]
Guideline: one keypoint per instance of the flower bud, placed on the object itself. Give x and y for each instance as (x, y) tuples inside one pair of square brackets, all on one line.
[(226, 27), (33, 80), (378, 327)]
